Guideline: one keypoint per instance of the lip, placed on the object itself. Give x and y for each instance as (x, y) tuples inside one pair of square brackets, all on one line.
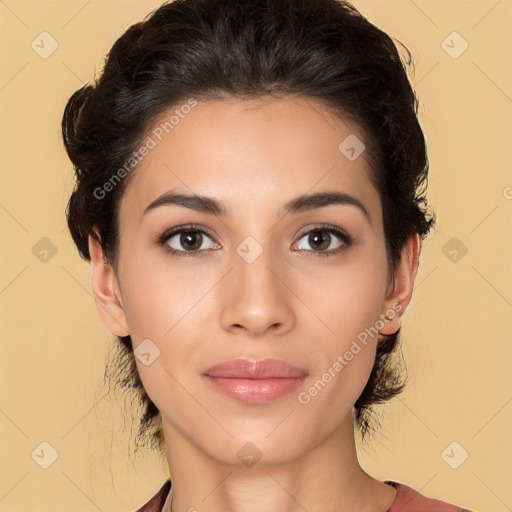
[(255, 382)]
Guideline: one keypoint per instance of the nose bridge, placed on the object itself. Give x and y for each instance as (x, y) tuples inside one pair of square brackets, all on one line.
[(253, 262), (257, 299)]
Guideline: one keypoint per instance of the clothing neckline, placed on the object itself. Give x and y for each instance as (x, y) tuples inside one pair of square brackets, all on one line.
[(165, 494)]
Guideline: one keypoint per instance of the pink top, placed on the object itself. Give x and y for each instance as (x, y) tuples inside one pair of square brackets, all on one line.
[(409, 500), (406, 500)]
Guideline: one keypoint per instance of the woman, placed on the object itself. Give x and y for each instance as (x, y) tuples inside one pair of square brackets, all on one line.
[(250, 194)]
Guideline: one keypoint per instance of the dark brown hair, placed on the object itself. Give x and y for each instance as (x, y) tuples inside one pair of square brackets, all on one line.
[(212, 49)]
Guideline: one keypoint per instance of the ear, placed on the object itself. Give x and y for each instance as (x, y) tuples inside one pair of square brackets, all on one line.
[(106, 291), (400, 289)]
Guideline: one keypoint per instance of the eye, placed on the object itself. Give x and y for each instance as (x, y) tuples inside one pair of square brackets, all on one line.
[(322, 239), (192, 241), (187, 241)]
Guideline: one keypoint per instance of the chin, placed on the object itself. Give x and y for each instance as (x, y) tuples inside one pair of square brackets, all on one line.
[(272, 447)]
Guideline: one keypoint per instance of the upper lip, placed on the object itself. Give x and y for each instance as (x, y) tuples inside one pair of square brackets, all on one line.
[(251, 369)]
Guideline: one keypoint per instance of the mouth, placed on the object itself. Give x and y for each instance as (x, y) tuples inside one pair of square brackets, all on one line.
[(255, 382)]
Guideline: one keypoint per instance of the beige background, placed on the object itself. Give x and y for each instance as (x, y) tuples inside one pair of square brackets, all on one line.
[(457, 340)]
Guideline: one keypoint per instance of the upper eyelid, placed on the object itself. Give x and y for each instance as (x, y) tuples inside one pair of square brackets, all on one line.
[(327, 227), (186, 227)]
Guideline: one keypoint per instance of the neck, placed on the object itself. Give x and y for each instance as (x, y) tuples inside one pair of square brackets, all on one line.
[(327, 477)]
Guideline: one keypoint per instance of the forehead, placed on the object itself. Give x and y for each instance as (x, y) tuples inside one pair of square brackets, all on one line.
[(250, 152)]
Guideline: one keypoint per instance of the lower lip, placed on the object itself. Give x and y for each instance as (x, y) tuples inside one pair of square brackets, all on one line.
[(255, 391)]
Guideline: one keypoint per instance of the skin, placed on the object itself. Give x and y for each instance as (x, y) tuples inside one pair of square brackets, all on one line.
[(255, 156)]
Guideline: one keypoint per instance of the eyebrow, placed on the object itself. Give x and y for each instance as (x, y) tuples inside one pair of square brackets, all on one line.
[(302, 203)]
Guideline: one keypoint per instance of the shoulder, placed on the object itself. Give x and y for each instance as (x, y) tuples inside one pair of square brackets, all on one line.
[(409, 500), (156, 503)]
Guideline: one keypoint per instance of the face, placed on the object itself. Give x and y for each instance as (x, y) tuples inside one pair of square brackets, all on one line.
[(270, 275)]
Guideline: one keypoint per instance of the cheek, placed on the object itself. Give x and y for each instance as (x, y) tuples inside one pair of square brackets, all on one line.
[(159, 293), (345, 299), (347, 309), (165, 305), (345, 356)]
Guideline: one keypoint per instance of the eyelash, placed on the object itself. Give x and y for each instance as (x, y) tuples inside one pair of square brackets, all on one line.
[(164, 238)]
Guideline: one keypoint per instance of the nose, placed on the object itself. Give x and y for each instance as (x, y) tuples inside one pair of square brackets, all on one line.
[(257, 298)]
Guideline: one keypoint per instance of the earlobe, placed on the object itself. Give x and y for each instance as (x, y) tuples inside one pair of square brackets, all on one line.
[(103, 285), (400, 292)]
